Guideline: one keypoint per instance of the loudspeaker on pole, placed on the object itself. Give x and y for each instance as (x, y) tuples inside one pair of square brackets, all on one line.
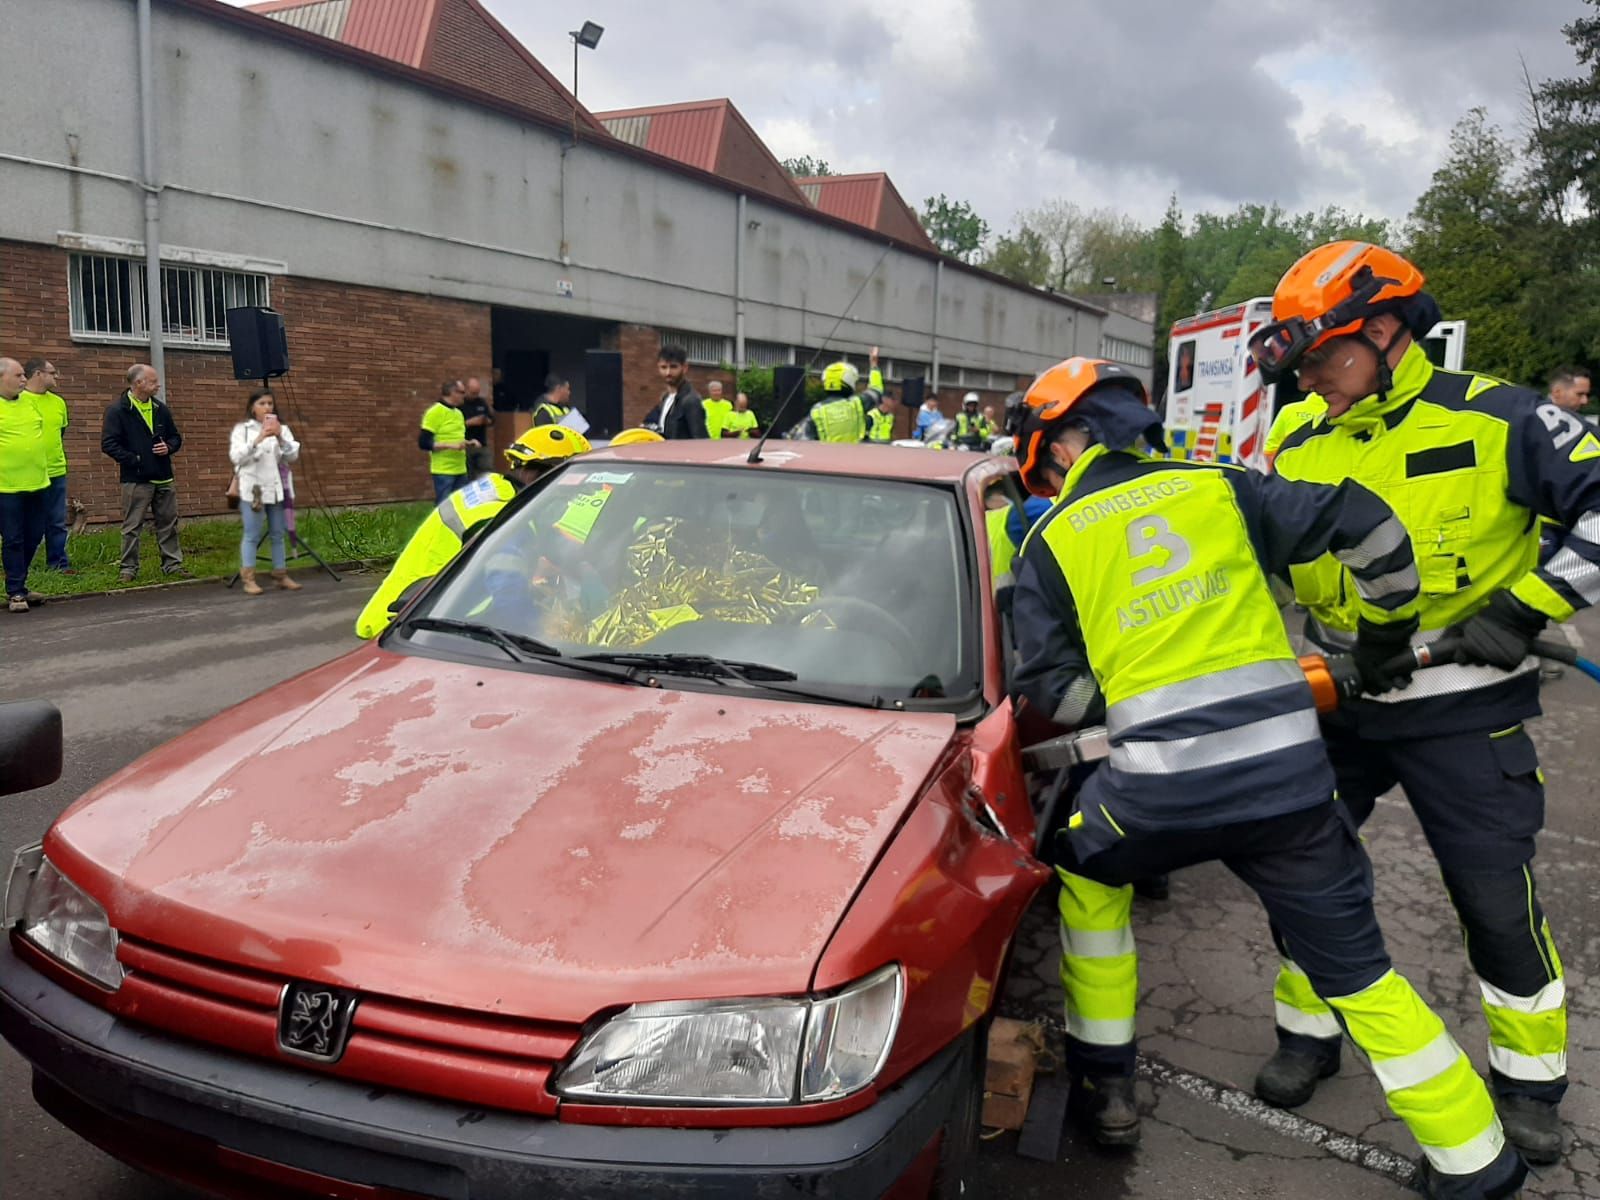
[(258, 343)]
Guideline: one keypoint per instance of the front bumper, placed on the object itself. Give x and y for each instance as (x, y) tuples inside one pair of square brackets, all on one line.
[(238, 1119)]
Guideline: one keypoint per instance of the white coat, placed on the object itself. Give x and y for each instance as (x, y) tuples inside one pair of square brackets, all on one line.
[(257, 462)]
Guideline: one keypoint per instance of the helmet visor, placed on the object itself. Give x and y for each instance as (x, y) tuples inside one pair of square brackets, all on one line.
[(1277, 348)]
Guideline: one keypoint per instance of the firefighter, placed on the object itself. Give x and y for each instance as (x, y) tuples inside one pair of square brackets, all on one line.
[(1216, 755), (1470, 464), (973, 430), (446, 529), (1289, 418)]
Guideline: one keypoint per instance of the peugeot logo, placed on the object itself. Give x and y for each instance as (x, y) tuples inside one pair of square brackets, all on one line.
[(314, 1021)]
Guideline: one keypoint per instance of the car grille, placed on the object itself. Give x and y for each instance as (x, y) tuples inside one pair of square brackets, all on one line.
[(495, 1062)]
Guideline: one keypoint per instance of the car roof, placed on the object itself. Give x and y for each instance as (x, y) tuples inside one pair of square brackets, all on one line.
[(829, 458)]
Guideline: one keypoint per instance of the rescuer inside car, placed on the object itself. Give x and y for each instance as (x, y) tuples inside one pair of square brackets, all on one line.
[(1471, 465), (446, 529), (1216, 755)]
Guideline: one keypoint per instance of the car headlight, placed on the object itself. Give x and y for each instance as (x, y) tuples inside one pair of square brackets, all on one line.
[(61, 919), (741, 1051)]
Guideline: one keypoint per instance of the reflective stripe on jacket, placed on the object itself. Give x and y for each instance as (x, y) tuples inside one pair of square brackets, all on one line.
[(840, 420), (437, 540), (1469, 464), (1144, 589)]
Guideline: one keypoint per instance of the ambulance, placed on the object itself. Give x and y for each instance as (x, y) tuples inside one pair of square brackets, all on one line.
[(1217, 409)]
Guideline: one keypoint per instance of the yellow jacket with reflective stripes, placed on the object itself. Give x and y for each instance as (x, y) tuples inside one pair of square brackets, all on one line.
[(437, 540), (1291, 417), (1469, 464)]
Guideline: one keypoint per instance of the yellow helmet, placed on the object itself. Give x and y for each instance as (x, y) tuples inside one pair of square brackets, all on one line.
[(546, 444), (840, 376), (632, 437)]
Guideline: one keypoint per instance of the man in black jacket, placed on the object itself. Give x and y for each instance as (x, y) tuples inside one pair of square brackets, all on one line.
[(141, 435), (679, 414)]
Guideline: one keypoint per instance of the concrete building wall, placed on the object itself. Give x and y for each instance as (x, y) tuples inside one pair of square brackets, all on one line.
[(270, 148)]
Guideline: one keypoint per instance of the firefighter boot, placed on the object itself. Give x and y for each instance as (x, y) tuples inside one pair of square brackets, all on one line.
[(1104, 1105), (1289, 1078), (247, 576), (1532, 1126)]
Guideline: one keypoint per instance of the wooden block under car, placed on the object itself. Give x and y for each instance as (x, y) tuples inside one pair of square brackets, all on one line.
[(1008, 1075)]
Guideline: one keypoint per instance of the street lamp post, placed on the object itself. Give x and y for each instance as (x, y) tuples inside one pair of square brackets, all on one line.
[(589, 37)]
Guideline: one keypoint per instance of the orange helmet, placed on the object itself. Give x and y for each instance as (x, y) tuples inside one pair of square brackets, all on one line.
[(1052, 397), (1330, 293)]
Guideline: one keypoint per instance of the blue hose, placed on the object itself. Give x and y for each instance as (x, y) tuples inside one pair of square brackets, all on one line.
[(1592, 670)]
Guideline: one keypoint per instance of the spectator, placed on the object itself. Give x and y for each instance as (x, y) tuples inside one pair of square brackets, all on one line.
[(741, 422), (1569, 389), (141, 435), (927, 415), (989, 416), (261, 449), (556, 402), (479, 420), (504, 402), (52, 408), (444, 437), (24, 483), (679, 414), (717, 409)]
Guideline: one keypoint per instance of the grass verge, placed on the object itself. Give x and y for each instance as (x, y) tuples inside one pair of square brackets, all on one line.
[(211, 547)]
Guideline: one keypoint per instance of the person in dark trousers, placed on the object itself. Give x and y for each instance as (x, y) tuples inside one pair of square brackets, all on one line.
[(679, 414), (41, 390), (140, 434), (1216, 755), (24, 484), (479, 421)]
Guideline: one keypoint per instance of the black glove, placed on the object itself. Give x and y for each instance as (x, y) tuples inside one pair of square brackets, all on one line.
[(1383, 655), (1501, 633)]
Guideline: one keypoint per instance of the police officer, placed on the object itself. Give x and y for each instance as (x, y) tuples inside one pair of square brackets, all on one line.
[(973, 429), (1215, 754), (1470, 464), (446, 529), (844, 413)]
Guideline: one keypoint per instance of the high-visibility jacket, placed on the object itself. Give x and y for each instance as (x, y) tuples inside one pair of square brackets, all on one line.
[(1002, 550), (973, 427), (717, 414), (1144, 590), (1469, 464), (1291, 417), (880, 426), (437, 540), (839, 420), (547, 412)]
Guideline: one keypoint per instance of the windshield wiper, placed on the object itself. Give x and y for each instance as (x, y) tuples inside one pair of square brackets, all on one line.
[(708, 666), (518, 647)]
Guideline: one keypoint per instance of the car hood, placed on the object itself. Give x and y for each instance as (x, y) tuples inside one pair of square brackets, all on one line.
[(532, 844)]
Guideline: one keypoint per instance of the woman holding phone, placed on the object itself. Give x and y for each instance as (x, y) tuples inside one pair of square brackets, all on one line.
[(261, 450)]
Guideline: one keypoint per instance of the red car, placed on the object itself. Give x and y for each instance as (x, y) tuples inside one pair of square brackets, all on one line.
[(669, 843)]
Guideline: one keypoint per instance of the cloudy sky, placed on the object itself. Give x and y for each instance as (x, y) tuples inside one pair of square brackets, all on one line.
[(1118, 103)]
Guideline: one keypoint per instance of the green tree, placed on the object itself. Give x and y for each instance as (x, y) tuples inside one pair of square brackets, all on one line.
[(954, 227), (1022, 256), (803, 166), (1567, 111), (1180, 296), (1470, 235)]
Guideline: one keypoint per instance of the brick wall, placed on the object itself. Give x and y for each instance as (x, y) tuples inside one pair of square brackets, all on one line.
[(640, 346), (366, 363)]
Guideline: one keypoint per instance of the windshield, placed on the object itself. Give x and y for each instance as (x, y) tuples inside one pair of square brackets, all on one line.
[(853, 585)]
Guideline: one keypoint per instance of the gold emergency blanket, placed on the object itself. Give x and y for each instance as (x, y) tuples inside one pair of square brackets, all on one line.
[(681, 573)]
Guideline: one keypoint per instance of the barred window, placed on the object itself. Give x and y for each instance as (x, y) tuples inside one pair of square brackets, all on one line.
[(899, 368), (767, 354), (705, 349), (108, 301), (1122, 350)]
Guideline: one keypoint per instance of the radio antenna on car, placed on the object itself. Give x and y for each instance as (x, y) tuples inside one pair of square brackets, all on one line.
[(799, 385)]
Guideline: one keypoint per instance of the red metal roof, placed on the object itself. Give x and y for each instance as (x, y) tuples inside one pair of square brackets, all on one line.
[(439, 36), (868, 199), (711, 135)]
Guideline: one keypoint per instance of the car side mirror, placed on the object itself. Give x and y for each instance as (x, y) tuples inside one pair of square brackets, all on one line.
[(411, 591), (30, 745)]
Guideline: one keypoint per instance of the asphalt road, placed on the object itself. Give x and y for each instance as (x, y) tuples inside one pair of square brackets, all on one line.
[(132, 670)]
